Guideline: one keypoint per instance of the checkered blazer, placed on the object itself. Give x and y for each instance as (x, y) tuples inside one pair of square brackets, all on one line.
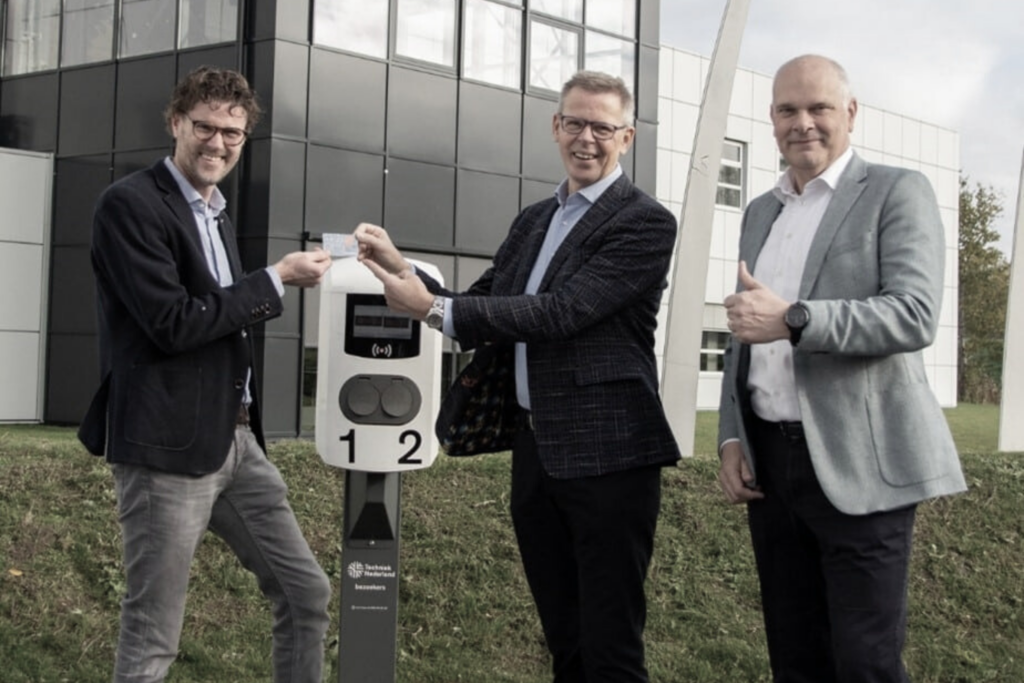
[(589, 330)]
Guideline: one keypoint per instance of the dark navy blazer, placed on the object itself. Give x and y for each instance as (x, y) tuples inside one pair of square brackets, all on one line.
[(174, 345), (589, 330)]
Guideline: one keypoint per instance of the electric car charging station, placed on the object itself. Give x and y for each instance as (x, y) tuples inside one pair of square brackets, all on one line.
[(378, 377)]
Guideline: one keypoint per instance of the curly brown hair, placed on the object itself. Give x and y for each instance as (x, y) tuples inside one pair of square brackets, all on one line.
[(212, 84)]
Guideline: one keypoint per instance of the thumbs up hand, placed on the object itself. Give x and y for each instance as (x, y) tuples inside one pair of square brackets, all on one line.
[(756, 314)]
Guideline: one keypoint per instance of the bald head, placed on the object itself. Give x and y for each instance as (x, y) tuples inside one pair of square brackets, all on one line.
[(813, 112)]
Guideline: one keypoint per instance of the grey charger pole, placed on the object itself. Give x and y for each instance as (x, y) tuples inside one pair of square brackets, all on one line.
[(367, 640)]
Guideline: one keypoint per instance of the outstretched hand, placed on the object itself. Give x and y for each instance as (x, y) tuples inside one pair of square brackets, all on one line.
[(405, 292), (375, 245), (756, 314), (303, 268)]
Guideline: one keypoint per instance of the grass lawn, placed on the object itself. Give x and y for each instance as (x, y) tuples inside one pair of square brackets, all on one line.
[(465, 612)]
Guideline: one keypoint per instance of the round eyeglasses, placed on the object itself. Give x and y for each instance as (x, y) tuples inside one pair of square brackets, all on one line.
[(599, 129), (232, 137)]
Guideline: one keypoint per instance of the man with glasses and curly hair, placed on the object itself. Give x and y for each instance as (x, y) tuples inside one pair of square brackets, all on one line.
[(176, 414), (575, 290)]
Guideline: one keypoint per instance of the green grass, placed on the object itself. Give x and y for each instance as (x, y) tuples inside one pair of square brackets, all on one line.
[(465, 612)]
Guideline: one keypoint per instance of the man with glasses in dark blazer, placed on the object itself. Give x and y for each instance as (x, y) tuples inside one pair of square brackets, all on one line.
[(177, 414), (575, 288)]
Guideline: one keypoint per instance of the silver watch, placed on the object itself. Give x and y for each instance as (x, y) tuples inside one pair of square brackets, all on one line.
[(435, 316)]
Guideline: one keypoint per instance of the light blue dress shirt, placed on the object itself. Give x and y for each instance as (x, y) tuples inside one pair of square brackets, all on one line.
[(571, 208), (207, 217)]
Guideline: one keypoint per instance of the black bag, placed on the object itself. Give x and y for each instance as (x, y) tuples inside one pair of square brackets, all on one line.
[(479, 414)]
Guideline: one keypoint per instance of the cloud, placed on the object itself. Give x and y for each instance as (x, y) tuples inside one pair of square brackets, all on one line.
[(955, 64)]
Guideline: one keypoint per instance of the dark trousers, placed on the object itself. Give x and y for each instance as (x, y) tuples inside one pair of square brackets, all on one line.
[(586, 545), (833, 586)]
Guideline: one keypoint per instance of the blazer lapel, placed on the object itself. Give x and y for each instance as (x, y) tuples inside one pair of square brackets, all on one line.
[(533, 241), (848, 190), (758, 224), (230, 240), (607, 205)]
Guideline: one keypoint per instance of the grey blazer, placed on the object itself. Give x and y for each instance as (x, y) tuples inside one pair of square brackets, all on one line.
[(873, 284)]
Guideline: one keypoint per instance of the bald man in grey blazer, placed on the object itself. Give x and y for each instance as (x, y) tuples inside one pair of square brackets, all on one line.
[(829, 431)]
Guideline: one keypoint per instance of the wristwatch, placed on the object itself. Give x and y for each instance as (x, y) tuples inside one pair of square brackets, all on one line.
[(797, 317), (435, 316)]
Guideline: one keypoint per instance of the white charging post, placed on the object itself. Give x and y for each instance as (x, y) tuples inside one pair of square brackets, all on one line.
[(378, 378)]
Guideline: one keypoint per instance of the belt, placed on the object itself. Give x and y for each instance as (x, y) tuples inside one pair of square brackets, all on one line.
[(243, 415), (791, 430)]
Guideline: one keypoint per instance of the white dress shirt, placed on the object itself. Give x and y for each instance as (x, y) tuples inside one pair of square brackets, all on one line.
[(780, 267)]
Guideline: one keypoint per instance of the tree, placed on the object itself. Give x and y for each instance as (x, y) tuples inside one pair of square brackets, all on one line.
[(984, 288)]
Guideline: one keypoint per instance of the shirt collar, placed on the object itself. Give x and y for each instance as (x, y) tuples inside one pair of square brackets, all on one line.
[(217, 202), (591, 192), (829, 177)]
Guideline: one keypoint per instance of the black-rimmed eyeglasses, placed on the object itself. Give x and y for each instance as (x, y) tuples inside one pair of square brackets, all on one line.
[(599, 129), (232, 137)]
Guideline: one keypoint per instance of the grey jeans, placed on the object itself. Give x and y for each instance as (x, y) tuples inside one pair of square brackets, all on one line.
[(163, 518)]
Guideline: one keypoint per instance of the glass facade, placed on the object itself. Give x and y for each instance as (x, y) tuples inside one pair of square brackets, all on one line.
[(425, 31), (353, 25), (147, 26), (731, 176), (31, 34), (92, 28), (492, 51), (436, 113), (88, 32), (712, 350)]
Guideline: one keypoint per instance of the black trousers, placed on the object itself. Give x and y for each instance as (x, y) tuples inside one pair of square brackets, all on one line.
[(833, 586), (586, 545)]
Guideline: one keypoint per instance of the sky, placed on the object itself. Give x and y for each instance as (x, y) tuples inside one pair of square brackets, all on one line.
[(958, 64)]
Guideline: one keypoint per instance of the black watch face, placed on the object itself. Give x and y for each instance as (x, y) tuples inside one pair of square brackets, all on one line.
[(796, 316)]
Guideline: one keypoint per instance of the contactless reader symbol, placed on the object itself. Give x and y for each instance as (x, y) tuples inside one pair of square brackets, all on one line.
[(381, 350)]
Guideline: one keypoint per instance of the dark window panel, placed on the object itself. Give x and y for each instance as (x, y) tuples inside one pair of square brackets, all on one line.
[(534, 191), (490, 128), (129, 162), (282, 366), (28, 113), (486, 206), (87, 111), (541, 160), (419, 208), (72, 377), (347, 101), (343, 189), (421, 116), (287, 188), (77, 185), (225, 57), (644, 157), (72, 292), (280, 76), (469, 270), (143, 90)]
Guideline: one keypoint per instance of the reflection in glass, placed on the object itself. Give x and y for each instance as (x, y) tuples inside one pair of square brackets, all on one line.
[(31, 35), (426, 30), (612, 56), (565, 9), (146, 26), (614, 16), (88, 32), (554, 55), (355, 25), (492, 50), (206, 22)]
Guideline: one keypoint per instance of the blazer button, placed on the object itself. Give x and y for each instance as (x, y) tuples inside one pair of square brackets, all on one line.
[(244, 334), (239, 384)]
